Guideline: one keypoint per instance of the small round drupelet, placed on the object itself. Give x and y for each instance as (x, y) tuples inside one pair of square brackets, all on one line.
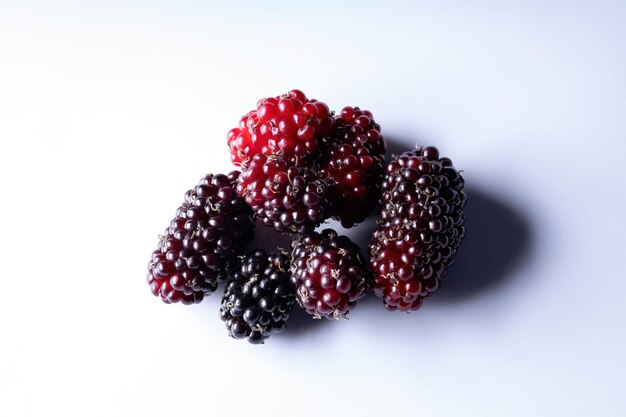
[(420, 227), (328, 273), (258, 299), (211, 228)]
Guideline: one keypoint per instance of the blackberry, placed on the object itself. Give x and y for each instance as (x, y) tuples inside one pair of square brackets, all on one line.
[(291, 198), (258, 299), (353, 160), (290, 125), (210, 230), (420, 227), (328, 273)]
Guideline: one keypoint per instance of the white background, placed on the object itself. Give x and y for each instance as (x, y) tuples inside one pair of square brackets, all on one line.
[(109, 111)]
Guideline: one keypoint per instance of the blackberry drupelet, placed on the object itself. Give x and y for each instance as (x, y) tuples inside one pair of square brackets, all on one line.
[(258, 298), (291, 198), (290, 125), (210, 230), (328, 273), (353, 159), (420, 227)]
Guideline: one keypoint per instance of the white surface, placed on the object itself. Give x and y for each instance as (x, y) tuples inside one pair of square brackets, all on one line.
[(109, 112)]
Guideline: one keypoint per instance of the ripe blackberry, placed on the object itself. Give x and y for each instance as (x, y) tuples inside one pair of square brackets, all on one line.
[(258, 299), (291, 198), (420, 227), (291, 125), (353, 160), (210, 230), (328, 273)]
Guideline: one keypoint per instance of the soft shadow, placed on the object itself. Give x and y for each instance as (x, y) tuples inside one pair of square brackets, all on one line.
[(396, 144), (363, 232), (498, 239), (301, 323), (269, 239)]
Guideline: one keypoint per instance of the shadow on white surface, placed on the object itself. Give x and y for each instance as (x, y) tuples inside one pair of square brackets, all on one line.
[(498, 240)]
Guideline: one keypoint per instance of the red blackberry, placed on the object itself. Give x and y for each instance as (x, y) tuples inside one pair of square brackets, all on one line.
[(258, 299), (420, 227), (353, 160), (290, 125), (210, 229), (291, 198), (328, 273)]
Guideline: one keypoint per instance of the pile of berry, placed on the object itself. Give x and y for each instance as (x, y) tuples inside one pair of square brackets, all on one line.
[(302, 164)]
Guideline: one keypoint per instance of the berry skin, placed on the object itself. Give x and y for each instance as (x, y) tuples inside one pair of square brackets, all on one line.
[(328, 273), (291, 198), (258, 298), (420, 227), (291, 125), (353, 160), (210, 230)]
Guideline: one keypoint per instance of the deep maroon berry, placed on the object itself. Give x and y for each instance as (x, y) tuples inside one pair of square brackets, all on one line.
[(328, 273), (290, 198), (353, 160), (258, 298), (210, 230), (290, 125), (420, 227)]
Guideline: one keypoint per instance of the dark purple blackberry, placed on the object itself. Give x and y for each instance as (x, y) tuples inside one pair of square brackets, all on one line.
[(420, 227), (328, 273), (290, 198), (258, 299), (210, 230)]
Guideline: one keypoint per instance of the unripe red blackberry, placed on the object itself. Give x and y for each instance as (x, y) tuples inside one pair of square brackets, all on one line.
[(328, 273), (420, 227), (290, 198), (258, 298), (211, 228), (290, 125), (353, 159)]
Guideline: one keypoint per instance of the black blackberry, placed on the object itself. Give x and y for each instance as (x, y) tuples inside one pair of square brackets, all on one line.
[(420, 227), (328, 273), (258, 299), (291, 198), (210, 230)]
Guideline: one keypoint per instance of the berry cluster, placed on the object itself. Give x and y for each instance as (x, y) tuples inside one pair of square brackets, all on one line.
[(328, 273), (420, 227), (353, 160), (291, 198), (291, 125), (302, 164), (210, 229)]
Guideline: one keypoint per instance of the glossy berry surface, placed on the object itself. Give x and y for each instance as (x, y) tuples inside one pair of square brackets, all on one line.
[(329, 274), (210, 230), (291, 198), (420, 227), (290, 125), (353, 160), (258, 298)]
